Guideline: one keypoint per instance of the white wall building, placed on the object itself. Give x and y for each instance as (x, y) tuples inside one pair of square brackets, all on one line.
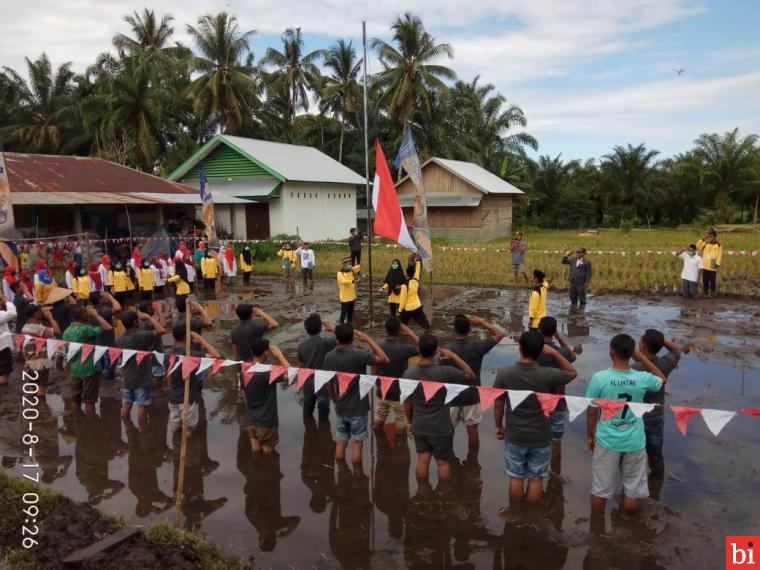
[(262, 189)]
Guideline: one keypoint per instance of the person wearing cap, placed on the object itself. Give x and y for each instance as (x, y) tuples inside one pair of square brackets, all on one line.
[(245, 263), (346, 277), (579, 276), (308, 263), (712, 254)]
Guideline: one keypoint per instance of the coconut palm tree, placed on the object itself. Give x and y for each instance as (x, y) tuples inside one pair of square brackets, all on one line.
[(408, 76), (151, 36), (729, 164), (341, 92), (45, 105), (295, 72), (628, 173), (225, 89)]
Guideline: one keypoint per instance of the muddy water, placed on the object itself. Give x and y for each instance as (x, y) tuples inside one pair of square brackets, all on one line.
[(299, 509)]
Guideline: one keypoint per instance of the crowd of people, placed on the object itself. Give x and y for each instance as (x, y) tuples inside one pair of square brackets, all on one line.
[(626, 448)]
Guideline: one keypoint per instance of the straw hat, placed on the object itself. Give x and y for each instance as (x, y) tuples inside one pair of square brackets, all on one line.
[(58, 294)]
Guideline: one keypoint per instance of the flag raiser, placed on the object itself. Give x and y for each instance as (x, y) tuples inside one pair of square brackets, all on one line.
[(389, 221)]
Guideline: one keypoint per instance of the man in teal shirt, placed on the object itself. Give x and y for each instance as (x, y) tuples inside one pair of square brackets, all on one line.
[(619, 443)]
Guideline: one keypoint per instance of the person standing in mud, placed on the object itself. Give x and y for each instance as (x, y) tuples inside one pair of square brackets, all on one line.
[(410, 305), (346, 278), (245, 263), (518, 249), (579, 276), (308, 263), (351, 409), (712, 256), (399, 354), (392, 283), (249, 329), (466, 406), (355, 246), (537, 302), (311, 354), (288, 262), (650, 344)]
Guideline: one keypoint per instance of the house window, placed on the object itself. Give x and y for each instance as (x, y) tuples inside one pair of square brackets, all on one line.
[(291, 194), (299, 194)]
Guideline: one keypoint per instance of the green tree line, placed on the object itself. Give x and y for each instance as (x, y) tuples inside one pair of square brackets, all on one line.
[(152, 101)]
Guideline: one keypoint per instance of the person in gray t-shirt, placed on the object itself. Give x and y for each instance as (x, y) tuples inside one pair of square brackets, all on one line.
[(311, 354), (518, 248), (399, 353), (650, 344)]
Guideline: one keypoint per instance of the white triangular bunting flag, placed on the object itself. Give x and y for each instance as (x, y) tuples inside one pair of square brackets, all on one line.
[(126, 355), (5, 334), (259, 367), (204, 365), (292, 374), (576, 405), (98, 353), (406, 388), (366, 382), (229, 362), (27, 340), (51, 347), (716, 420), (321, 377), (453, 390), (159, 357), (516, 397), (640, 409), (73, 349), (177, 362)]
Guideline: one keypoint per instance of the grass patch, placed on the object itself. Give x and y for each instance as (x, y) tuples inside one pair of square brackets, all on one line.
[(169, 539), (12, 490)]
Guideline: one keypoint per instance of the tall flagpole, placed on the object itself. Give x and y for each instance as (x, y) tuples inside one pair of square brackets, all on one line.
[(366, 177)]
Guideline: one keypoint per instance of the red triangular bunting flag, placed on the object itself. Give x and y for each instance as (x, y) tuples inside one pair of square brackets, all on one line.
[(344, 380), (489, 395), (390, 434), (750, 411), (39, 343), (430, 388), (189, 363), (140, 356), (385, 385), (217, 365), (172, 360), (86, 352), (244, 366), (683, 415), (548, 402), (276, 372), (19, 340), (114, 354), (610, 408), (303, 376), (58, 344)]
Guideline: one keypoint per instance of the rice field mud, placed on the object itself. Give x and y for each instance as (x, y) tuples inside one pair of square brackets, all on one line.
[(298, 509)]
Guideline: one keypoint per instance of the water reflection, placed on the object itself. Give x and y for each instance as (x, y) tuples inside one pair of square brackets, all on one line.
[(391, 488)]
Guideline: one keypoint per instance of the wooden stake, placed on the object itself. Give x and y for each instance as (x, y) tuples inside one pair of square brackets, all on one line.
[(185, 415)]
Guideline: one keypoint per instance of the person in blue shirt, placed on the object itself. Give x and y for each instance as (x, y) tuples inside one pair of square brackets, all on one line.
[(619, 443)]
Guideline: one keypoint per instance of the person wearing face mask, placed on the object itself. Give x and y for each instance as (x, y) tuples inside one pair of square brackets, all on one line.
[(81, 286), (692, 271), (246, 264), (392, 283), (347, 290)]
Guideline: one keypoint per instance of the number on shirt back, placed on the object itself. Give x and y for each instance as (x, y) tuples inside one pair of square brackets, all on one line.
[(628, 398)]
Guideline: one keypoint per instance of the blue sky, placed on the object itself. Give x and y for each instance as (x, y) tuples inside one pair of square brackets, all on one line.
[(589, 75)]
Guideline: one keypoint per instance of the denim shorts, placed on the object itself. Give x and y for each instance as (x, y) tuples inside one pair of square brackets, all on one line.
[(352, 428), (140, 396), (525, 462), (558, 420)]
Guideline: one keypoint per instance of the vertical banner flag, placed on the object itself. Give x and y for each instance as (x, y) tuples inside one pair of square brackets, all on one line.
[(207, 204), (389, 221), (407, 159), (6, 207)]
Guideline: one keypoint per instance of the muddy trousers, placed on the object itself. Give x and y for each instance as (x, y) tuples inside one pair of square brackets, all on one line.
[(654, 428), (418, 315), (346, 312), (393, 308), (689, 289), (578, 293), (246, 277), (709, 282)]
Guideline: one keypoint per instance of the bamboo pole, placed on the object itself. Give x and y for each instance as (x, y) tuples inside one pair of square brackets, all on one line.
[(185, 427), (366, 179)]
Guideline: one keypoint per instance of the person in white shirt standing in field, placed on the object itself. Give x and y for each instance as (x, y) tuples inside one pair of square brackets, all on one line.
[(692, 271), (308, 263)]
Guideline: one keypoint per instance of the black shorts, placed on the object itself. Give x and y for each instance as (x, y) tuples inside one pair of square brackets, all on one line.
[(441, 446), (6, 361)]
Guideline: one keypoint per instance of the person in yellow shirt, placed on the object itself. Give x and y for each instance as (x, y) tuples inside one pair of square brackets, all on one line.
[(81, 286), (288, 257), (245, 263), (145, 280), (121, 281), (209, 270), (537, 303), (392, 283), (712, 255), (131, 280), (44, 283), (409, 299), (181, 285), (347, 289)]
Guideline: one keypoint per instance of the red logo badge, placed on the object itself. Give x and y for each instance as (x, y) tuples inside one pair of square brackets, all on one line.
[(742, 552)]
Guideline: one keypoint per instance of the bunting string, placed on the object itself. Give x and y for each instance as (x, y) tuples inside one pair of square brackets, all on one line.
[(715, 420)]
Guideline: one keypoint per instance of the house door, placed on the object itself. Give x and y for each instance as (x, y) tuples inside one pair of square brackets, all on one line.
[(257, 220)]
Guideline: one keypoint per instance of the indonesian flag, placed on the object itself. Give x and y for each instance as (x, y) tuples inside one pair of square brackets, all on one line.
[(389, 221)]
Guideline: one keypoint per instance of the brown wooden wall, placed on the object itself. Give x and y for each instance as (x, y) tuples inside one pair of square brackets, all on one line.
[(440, 181), (492, 219)]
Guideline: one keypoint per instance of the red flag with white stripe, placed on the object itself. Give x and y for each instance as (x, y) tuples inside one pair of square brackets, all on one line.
[(389, 221)]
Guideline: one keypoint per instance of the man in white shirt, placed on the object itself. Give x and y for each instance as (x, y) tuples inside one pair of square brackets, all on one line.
[(692, 271), (308, 262)]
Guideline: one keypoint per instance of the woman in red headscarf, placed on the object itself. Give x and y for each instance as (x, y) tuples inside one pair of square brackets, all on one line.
[(70, 274), (137, 259), (9, 279), (96, 279)]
